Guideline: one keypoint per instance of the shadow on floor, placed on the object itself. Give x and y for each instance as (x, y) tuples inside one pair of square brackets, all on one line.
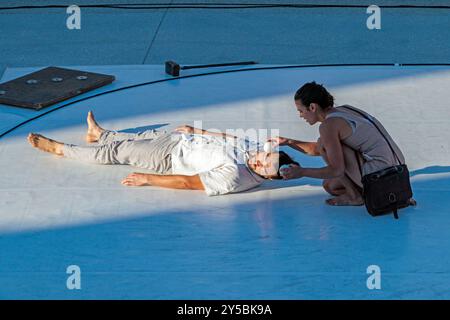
[(269, 248)]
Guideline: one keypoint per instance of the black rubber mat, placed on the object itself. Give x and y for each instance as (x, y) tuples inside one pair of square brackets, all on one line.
[(50, 85)]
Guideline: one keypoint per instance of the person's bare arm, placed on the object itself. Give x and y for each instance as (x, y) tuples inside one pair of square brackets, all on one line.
[(329, 133), (166, 181), (191, 130), (309, 148)]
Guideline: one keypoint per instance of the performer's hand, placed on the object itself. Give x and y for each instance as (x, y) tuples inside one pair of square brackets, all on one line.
[(136, 179), (278, 141), (185, 129), (292, 172)]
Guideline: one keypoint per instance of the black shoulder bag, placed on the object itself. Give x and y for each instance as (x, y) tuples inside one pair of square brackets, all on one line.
[(389, 189)]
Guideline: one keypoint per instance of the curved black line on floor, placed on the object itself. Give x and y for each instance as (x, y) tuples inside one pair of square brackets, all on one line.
[(214, 73)]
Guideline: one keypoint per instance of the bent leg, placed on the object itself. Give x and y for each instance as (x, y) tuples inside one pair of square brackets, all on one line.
[(353, 162), (347, 188), (351, 196), (333, 186)]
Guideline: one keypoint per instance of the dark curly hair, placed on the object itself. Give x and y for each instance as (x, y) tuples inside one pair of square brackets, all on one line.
[(312, 92), (284, 158)]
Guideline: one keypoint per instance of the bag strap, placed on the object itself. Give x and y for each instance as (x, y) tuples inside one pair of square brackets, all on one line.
[(359, 164), (379, 130), (395, 213)]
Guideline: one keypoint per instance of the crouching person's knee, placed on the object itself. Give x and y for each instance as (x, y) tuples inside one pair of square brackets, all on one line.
[(333, 186), (326, 184)]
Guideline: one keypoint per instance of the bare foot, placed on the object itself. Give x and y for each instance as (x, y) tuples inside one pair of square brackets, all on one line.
[(45, 144), (345, 200), (94, 130)]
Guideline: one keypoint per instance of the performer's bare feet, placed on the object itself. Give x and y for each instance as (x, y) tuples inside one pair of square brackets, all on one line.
[(345, 200), (45, 144), (94, 130)]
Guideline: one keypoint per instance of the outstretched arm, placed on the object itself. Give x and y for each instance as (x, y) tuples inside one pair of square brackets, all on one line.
[(309, 148), (333, 149), (191, 130), (165, 181)]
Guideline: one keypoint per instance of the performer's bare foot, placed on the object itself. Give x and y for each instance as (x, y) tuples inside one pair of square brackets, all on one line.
[(94, 130), (45, 144), (345, 200)]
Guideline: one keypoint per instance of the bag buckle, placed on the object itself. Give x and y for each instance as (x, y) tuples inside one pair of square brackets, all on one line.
[(392, 197)]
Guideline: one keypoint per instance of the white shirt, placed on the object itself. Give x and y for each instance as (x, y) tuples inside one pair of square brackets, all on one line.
[(220, 163)]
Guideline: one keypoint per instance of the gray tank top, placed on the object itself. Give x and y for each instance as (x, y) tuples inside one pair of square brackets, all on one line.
[(373, 150)]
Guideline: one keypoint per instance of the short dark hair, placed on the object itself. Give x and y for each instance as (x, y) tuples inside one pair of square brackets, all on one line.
[(312, 92), (284, 158)]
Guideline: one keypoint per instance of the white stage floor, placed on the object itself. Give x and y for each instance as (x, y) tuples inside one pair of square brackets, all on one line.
[(279, 241)]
